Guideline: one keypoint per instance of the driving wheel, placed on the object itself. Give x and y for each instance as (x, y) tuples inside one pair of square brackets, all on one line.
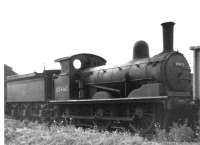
[(142, 119), (100, 122)]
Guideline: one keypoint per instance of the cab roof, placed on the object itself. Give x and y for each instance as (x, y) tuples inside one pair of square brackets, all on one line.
[(87, 55)]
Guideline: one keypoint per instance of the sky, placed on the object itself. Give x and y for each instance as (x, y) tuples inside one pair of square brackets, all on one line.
[(35, 33)]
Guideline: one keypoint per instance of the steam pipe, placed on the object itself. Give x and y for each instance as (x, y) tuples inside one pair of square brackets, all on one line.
[(196, 76), (168, 29)]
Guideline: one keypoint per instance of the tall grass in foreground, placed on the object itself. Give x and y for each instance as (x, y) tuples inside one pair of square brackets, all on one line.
[(24, 133), (29, 133)]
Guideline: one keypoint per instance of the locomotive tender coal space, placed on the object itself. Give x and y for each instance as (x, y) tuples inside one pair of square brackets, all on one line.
[(136, 95)]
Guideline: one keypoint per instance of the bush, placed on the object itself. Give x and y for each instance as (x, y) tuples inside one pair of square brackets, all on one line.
[(181, 133), (177, 133)]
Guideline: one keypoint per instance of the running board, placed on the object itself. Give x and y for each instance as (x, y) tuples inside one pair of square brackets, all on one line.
[(111, 100)]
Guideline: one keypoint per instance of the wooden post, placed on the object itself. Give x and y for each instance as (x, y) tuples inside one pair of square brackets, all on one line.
[(196, 78)]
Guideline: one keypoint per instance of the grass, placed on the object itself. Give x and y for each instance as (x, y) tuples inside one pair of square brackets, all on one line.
[(33, 133)]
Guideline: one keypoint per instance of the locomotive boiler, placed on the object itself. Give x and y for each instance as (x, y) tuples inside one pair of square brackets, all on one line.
[(136, 95)]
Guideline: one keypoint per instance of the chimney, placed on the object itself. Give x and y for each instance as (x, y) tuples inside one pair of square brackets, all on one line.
[(168, 28), (196, 76)]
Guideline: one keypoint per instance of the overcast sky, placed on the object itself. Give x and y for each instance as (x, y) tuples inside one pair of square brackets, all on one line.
[(35, 33)]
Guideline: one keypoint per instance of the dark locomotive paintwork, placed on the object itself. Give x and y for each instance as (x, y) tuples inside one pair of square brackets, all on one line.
[(170, 69), (28, 89), (168, 36), (108, 96), (34, 87), (66, 85), (140, 50)]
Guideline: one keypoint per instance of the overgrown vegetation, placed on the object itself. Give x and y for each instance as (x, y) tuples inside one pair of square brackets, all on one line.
[(33, 133), (177, 133)]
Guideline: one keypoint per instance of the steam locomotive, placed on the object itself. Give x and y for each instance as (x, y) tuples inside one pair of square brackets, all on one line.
[(136, 95)]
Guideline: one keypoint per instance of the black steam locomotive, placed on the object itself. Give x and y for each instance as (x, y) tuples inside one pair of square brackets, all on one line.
[(137, 95)]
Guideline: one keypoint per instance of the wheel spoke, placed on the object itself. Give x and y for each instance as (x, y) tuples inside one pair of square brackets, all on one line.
[(98, 121), (143, 120)]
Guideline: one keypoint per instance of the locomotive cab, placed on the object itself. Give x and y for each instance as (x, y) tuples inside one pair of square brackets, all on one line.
[(67, 83)]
